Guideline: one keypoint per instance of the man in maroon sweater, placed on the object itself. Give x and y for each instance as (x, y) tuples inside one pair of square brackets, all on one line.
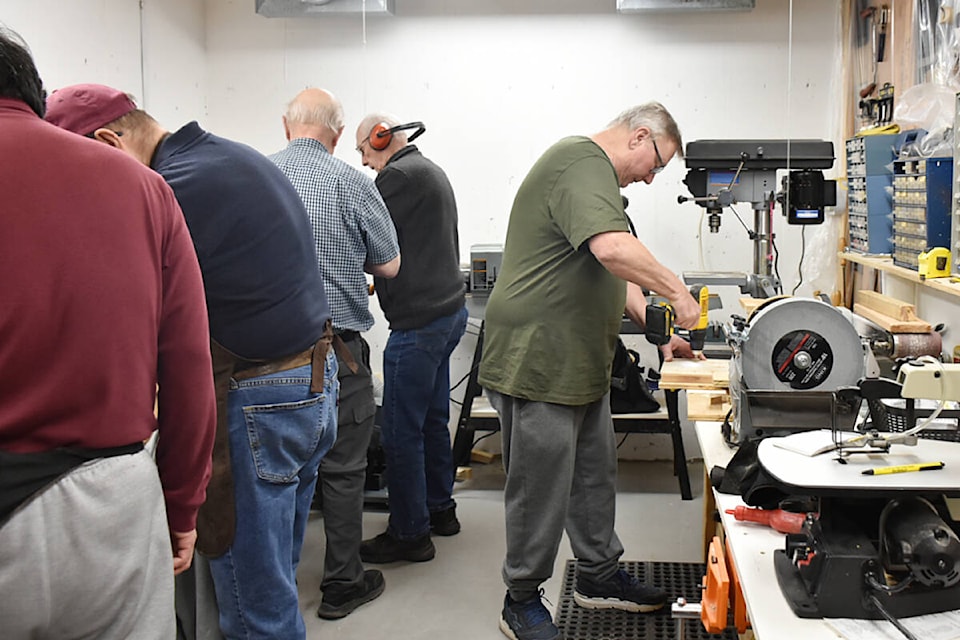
[(102, 306)]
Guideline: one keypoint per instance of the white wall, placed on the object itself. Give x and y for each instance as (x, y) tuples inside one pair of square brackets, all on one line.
[(158, 54), (175, 71), (496, 90), (83, 41), (495, 83)]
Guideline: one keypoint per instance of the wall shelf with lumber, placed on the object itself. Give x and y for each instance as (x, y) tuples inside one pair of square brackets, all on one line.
[(886, 265), (891, 314)]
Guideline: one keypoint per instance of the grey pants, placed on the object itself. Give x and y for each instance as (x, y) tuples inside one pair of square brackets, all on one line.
[(561, 464), (198, 616), (90, 557), (343, 471)]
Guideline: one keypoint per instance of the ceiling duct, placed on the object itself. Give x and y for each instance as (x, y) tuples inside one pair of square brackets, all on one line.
[(321, 8), (641, 6)]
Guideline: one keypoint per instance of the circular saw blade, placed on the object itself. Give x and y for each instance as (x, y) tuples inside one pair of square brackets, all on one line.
[(800, 344)]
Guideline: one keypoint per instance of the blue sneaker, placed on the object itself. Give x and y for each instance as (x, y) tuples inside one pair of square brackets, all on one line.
[(527, 620), (623, 592)]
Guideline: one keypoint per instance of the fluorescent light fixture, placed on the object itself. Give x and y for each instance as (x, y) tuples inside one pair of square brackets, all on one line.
[(641, 6), (320, 8)]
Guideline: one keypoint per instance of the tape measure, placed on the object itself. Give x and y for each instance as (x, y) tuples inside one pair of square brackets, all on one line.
[(934, 263)]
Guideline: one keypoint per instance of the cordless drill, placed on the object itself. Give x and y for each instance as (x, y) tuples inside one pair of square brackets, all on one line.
[(661, 318), (699, 333)]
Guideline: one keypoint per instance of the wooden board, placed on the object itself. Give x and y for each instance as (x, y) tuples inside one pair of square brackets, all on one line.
[(893, 315), (707, 405), (892, 325), (750, 304), (695, 374), (481, 456), (886, 305)]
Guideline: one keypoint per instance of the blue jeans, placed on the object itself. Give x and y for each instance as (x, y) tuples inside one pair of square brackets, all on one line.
[(279, 431), (416, 415)]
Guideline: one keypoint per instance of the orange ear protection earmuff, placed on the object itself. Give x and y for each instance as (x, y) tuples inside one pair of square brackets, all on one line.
[(382, 135)]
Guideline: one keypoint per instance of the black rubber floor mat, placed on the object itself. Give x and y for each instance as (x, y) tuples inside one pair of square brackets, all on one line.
[(679, 579)]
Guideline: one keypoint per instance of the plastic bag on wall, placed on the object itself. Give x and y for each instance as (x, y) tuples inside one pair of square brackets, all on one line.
[(947, 68), (821, 244), (936, 41), (930, 107)]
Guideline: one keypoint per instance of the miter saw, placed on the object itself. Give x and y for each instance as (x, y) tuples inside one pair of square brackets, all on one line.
[(789, 357)]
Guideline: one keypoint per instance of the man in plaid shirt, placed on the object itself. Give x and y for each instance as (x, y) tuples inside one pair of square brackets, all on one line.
[(354, 235)]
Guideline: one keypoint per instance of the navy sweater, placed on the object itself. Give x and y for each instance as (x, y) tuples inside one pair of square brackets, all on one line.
[(264, 292)]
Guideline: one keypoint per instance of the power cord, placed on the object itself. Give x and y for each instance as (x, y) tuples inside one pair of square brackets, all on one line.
[(700, 260), (872, 598), (477, 441), (773, 247), (803, 250)]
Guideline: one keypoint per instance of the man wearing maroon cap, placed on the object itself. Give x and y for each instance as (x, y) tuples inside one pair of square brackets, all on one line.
[(102, 305), (270, 329), (85, 107)]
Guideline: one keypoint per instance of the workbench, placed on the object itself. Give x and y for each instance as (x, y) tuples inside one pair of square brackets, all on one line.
[(476, 414), (752, 548), (480, 416)]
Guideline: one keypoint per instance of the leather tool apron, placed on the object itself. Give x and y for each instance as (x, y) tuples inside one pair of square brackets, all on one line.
[(217, 519)]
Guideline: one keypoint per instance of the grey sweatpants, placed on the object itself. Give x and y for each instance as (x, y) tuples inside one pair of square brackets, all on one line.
[(561, 464), (90, 557)]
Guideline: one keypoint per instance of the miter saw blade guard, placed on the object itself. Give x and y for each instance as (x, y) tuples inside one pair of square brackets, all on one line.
[(789, 359)]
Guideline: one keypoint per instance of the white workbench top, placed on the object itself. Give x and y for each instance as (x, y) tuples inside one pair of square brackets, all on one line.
[(752, 546)]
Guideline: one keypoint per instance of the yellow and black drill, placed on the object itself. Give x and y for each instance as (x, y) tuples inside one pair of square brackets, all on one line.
[(661, 317)]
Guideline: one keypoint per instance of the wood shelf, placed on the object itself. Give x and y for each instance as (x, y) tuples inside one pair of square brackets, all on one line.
[(885, 264)]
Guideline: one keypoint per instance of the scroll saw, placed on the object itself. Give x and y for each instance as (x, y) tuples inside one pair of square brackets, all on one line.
[(881, 545)]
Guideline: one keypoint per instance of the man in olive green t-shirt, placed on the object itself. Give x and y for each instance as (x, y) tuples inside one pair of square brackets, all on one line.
[(570, 270)]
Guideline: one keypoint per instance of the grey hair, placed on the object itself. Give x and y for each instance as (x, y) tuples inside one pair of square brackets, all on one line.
[(655, 117), (367, 124), (329, 115)]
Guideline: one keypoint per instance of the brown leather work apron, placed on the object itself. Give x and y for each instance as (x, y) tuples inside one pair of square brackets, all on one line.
[(217, 519)]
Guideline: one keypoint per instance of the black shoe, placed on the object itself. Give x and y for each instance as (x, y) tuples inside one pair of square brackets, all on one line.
[(385, 548), (622, 591), (339, 601), (527, 620), (445, 523)]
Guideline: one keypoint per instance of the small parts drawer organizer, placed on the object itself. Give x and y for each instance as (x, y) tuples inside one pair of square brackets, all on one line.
[(921, 207)]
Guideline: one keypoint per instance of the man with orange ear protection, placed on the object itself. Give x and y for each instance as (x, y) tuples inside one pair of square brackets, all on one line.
[(424, 305)]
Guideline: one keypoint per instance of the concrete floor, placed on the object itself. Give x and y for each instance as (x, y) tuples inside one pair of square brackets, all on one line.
[(459, 593)]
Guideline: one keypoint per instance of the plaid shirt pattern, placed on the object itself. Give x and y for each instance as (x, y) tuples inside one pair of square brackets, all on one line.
[(351, 226)]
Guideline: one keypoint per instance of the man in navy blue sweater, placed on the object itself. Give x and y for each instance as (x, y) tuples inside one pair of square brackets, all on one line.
[(270, 328)]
